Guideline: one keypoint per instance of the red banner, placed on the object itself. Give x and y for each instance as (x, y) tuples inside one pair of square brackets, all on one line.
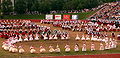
[(66, 17)]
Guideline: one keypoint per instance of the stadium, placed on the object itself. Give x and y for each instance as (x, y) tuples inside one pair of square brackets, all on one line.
[(59, 29)]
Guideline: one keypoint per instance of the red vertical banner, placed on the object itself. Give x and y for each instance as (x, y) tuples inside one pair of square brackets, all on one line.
[(66, 17)]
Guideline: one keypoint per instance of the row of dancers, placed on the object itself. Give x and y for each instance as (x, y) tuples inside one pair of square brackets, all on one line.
[(67, 48), (93, 38), (9, 44)]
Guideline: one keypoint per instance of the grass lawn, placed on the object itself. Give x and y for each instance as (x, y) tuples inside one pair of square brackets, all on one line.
[(81, 16)]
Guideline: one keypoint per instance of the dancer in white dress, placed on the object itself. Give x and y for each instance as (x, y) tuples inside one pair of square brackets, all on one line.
[(42, 49), (115, 43), (20, 38), (50, 37), (55, 38), (45, 37), (106, 46), (84, 47), (57, 49), (67, 37), (14, 49), (92, 38), (92, 47), (26, 38), (6, 47), (21, 50), (51, 50), (31, 37), (67, 48), (83, 37), (76, 48), (62, 37), (87, 37), (101, 46), (36, 37), (77, 37), (110, 45), (32, 50)]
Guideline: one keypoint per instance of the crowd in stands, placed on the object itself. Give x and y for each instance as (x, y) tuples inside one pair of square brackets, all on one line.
[(111, 11)]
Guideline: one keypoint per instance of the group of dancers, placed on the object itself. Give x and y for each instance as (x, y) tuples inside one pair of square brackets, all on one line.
[(9, 45), (27, 30)]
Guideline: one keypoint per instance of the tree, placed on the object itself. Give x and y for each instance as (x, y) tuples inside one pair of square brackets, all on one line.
[(20, 6), (7, 7)]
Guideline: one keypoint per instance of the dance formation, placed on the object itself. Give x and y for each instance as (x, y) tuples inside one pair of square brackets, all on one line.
[(18, 31)]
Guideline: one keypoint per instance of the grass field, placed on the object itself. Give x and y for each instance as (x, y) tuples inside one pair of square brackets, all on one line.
[(81, 16)]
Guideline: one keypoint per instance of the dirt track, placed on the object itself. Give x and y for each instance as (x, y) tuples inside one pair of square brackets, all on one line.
[(88, 56)]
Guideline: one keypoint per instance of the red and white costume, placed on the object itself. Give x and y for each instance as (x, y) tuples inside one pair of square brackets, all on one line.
[(67, 48), (92, 47), (76, 48), (51, 50), (101, 46), (84, 47), (42, 49)]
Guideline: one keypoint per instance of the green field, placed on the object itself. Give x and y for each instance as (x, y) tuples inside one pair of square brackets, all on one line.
[(81, 16)]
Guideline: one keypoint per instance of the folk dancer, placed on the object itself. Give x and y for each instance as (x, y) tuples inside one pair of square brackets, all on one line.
[(51, 50), (57, 49), (101, 46), (21, 50), (77, 37), (67, 48), (32, 50), (92, 47), (84, 47), (42, 49), (76, 48)]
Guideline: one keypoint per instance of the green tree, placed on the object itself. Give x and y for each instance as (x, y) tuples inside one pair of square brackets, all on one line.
[(20, 6), (7, 7)]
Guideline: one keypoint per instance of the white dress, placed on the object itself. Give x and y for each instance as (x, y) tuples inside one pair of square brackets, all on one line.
[(42, 50), (57, 50), (101, 46), (83, 38), (36, 37), (107, 46), (76, 48), (67, 37), (92, 47), (32, 50), (67, 48), (50, 37), (77, 37), (31, 38), (51, 49), (110, 45), (45, 37), (84, 47), (62, 37), (26, 38), (14, 50), (20, 38), (87, 38), (6, 47), (55, 37), (21, 50)]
